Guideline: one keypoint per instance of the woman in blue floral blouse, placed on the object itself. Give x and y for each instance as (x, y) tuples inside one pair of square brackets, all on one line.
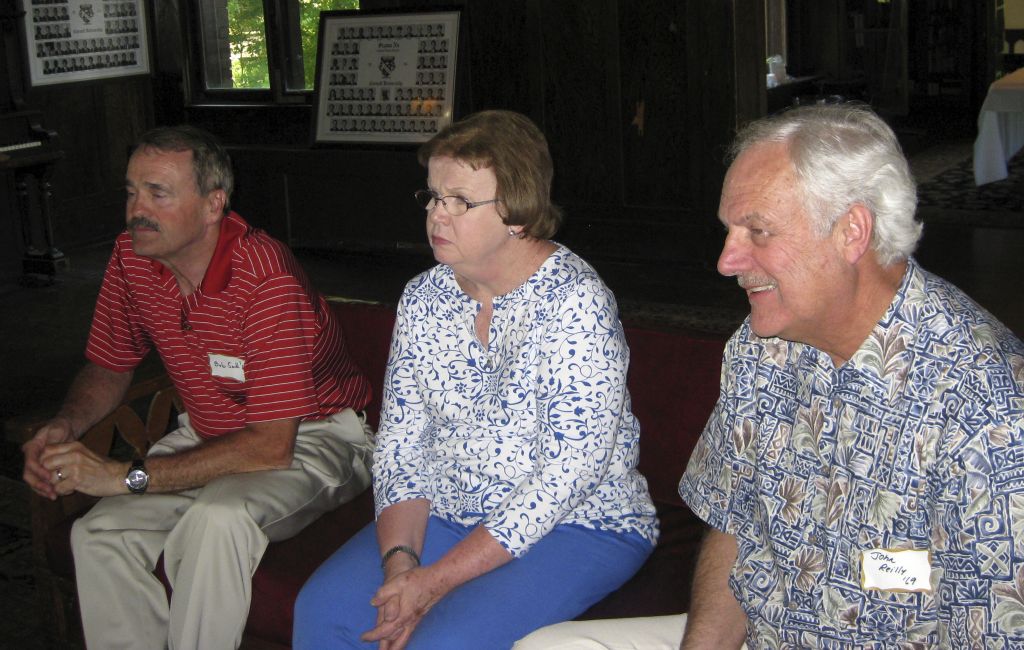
[(505, 474)]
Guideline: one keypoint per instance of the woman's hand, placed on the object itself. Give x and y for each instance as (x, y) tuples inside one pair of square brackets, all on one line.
[(403, 600)]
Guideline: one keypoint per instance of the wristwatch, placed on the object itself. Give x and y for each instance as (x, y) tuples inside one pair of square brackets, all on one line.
[(137, 478)]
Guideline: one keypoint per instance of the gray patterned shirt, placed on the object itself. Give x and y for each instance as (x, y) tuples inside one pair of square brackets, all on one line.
[(917, 442)]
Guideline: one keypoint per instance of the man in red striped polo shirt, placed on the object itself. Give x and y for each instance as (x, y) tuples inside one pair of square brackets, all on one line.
[(270, 438)]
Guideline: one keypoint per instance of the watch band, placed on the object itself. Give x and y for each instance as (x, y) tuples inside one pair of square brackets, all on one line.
[(408, 550)]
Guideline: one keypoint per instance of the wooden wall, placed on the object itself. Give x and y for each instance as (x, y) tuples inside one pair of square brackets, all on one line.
[(96, 122), (821, 39), (638, 99)]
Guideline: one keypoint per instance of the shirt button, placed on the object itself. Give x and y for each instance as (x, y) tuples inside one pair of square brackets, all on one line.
[(812, 538), (792, 605), (837, 403)]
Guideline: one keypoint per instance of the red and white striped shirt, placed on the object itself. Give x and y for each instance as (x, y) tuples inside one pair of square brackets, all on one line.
[(254, 343)]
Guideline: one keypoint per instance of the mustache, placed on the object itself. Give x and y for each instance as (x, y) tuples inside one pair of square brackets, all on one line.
[(748, 281), (142, 222)]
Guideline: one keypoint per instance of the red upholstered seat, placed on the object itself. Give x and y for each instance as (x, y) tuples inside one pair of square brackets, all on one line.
[(673, 379)]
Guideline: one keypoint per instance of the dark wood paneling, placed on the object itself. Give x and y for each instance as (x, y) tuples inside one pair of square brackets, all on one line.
[(256, 126), (652, 51), (332, 198), (581, 71), (748, 53), (96, 122), (502, 67), (711, 41), (582, 118), (814, 37), (11, 248)]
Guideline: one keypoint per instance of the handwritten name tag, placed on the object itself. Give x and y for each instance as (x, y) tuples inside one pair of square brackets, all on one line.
[(222, 365), (889, 570)]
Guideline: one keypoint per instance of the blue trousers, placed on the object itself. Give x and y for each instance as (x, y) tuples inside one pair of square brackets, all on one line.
[(566, 572)]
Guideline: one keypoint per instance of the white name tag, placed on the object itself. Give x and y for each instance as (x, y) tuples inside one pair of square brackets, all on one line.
[(889, 570), (224, 366)]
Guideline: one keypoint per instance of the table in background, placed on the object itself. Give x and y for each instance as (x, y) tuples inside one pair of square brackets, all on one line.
[(1000, 128)]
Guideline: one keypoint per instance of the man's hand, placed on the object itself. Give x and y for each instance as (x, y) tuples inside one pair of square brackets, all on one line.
[(403, 600), (95, 392), (38, 477), (75, 468)]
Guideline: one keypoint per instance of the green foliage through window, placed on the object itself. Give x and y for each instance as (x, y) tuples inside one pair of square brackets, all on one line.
[(310, 22), (247, 39), (248, 42)]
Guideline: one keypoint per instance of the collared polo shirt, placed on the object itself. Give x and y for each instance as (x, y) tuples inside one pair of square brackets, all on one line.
[(253, 343)]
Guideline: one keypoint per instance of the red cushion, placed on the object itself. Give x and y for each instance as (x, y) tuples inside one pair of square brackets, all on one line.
[(286, 566), (673, 381), (367, 329)]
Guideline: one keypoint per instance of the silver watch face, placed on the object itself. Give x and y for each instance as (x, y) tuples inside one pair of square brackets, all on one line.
[(137, 480)]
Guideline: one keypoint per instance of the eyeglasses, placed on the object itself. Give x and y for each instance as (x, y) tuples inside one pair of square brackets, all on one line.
[(454, 205)]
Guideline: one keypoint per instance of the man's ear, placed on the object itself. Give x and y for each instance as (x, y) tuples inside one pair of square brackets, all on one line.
[(855, 231), (215, 202)]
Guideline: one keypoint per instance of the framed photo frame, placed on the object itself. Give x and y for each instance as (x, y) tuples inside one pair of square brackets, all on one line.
[(81, 40), (386, 78)]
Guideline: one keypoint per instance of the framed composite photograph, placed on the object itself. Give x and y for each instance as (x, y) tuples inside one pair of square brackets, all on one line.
[(80, 40), (384, 77)]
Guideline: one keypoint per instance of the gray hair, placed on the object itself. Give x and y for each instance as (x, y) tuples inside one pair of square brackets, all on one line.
[(844, 154), (210, 163)]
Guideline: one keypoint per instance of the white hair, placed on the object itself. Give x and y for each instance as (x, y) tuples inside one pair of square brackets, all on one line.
[(844, 154)]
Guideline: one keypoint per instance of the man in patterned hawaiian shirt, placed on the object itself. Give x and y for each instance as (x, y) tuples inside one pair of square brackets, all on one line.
[(863, 470)]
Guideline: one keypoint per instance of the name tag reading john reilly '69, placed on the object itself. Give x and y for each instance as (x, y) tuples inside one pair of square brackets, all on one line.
[(894, 570)]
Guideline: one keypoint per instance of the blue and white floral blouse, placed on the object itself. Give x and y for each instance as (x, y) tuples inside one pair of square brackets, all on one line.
[(532, 431), (916, 442)]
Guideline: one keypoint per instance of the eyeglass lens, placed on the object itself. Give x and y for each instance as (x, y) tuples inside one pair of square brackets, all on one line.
[(454, 205)]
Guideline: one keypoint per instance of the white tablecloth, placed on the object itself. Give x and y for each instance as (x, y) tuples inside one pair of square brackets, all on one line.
[(1000, 128)]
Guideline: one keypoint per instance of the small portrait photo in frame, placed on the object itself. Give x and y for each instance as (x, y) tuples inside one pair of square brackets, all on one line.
[(82, 40), (386, 78)]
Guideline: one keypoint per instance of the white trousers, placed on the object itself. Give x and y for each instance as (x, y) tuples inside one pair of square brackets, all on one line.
[(640, 633), (212, 539)]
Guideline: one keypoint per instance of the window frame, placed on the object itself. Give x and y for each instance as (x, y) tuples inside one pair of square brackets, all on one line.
[(282, 46), (776, 28)]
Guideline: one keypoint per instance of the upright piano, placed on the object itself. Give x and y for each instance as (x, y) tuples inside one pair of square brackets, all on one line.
[(28, 153)]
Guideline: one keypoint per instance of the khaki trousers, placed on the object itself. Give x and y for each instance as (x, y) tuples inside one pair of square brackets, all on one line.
[(212, 539)]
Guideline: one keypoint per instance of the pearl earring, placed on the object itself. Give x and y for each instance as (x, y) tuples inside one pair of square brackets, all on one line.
[(511, 233)]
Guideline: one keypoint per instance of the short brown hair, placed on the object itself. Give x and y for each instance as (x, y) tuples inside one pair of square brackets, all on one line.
[(515, 149), (210, 163)]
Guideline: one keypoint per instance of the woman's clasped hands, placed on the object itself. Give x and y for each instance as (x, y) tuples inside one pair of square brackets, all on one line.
[(408, 593)]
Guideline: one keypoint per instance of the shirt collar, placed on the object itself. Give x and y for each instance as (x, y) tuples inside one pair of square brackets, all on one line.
[(877, 344), (882, 341), (218, 273)]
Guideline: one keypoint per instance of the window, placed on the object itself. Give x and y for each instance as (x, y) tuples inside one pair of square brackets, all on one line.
[(257, 49)]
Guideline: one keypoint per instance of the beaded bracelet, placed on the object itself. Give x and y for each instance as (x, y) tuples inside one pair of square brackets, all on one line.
[(399, 549)]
